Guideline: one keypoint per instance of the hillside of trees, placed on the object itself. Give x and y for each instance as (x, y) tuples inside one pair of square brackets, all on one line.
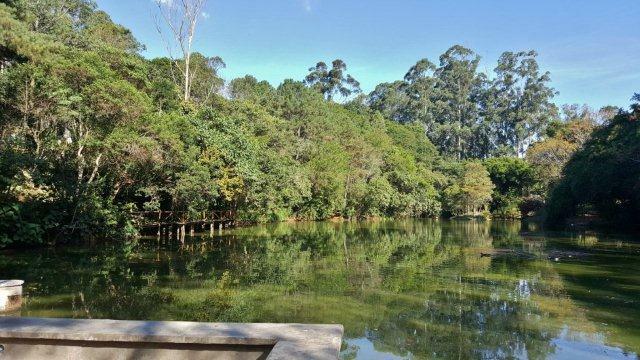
[(91, 132)]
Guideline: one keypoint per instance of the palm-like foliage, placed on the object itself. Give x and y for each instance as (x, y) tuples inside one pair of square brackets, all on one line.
[(332, 81)]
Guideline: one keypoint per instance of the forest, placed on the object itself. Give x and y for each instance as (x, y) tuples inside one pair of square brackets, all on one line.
[(92, 133)]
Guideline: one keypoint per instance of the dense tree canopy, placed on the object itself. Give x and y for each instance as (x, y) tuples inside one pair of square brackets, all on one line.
[(92, 133), (469, 114), (549, 155), (514, 181), (603, 177), (470, 193)]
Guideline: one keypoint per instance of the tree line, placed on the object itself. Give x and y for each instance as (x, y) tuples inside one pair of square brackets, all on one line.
[(466, 113), (92, 132)]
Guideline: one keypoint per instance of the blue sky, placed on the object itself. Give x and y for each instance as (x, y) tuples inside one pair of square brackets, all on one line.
[(591, 47)]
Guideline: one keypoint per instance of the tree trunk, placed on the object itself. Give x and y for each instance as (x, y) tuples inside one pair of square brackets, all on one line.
[(187, 80), (95, 169)]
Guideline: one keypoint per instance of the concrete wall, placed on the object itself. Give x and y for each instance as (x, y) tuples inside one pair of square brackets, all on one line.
[(51, 339), (27, 349)]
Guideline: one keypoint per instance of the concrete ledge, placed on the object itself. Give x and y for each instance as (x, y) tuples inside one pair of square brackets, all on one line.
[(10, 294), (76, 339)]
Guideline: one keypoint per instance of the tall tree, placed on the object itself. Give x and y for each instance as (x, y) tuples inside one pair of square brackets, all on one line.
[(181, 18), (206, 71), (420, 87), (392, 101), (521, 97), (458, 88), (332, 81)]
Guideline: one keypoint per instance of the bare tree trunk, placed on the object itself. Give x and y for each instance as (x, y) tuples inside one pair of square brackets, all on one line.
[(181, 18), (80, 169), (187, 80), (95, 168)]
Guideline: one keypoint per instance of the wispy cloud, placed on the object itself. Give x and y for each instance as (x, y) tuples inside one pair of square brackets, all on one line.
[(205, 14), (306, 4)]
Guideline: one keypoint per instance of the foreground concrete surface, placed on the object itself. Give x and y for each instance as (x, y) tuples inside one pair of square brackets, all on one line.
[(51, 339)]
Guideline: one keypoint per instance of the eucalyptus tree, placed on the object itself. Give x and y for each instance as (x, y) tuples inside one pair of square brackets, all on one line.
[(206, 70), (332, 81), (181, 18), (420, 87), (521, 100), (408, 100), (444, 98), (465, 112), (392, 101), (248, 87), (458, 88)]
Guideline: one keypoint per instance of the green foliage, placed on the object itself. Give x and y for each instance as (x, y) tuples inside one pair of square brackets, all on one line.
[(512, 176), (514, 179), (91, 132), (103, 133), (550, 155), (471, 192), (18, 228), (330, 82), (603, 178), (465, 114), (519, 100)]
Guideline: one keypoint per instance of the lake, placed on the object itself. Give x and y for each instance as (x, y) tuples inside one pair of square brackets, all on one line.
[(410, 289)]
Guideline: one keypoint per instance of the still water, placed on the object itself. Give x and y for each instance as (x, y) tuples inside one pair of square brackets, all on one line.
[(402, 289)]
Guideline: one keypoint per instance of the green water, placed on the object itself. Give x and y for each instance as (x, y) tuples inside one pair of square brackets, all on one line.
[(402, 289)]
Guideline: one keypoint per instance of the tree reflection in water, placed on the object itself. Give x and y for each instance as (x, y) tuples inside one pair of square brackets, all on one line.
[(416, 289)]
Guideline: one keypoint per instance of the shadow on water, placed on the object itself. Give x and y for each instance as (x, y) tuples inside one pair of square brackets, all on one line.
[(402, 289)]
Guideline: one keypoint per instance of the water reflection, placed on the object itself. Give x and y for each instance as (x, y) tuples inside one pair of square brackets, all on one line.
[(402, 289)]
